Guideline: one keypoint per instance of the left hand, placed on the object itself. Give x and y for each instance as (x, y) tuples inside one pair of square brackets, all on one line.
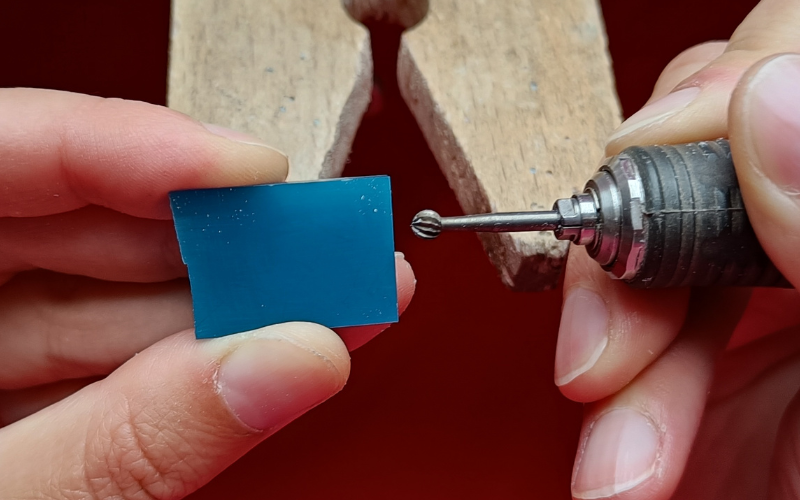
[(104, 392)]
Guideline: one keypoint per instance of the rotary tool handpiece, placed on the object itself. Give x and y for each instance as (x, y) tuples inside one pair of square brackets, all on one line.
[(653, 216)]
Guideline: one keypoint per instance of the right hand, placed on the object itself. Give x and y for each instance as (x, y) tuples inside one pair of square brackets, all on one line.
[(667, 418)]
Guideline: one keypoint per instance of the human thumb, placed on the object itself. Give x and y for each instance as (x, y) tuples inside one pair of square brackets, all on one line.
[(173, 416), (764, 127)]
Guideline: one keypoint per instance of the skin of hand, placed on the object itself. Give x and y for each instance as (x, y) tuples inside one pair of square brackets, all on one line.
[(676, 407), (104, 392)]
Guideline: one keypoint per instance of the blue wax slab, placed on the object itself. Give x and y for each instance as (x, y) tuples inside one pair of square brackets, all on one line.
[(319, 251)]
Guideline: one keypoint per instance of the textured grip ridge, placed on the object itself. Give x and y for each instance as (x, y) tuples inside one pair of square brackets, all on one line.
[(696, 229)]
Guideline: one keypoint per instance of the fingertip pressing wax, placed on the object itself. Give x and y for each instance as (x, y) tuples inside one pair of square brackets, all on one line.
[(320, 251)]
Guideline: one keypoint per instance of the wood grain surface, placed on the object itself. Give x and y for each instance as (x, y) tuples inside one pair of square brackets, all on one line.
[(515, 99), (295, 74)]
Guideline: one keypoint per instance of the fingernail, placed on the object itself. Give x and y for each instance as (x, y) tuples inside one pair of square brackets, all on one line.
[(656, 112), (773, 116), (237, 136), (620, 452), (582, 336), (267, 383)]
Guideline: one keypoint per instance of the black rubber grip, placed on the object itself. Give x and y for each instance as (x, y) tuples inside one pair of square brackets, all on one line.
[(696, 229)]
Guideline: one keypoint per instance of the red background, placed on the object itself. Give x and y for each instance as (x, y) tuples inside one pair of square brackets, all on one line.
[(457, 400)]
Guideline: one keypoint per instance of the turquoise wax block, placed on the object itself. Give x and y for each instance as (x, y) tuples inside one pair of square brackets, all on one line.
[(318, 251)]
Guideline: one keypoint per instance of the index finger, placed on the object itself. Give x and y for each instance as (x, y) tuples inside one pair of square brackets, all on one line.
[(62, 151)]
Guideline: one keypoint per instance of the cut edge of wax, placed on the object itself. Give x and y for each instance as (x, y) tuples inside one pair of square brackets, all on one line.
[(319, 251)]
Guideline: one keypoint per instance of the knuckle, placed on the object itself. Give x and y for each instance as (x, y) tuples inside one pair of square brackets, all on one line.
[(702, 52), (138, 455), (688, 63)]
